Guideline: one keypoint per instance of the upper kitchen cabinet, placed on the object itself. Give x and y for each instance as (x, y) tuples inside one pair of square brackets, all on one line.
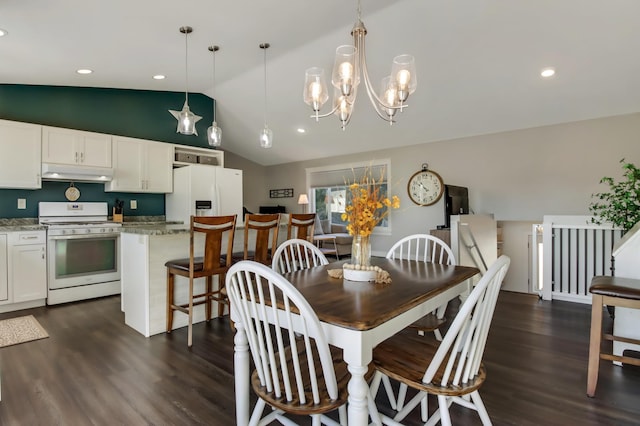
[(141, 166), (75, 147), (20, 155)]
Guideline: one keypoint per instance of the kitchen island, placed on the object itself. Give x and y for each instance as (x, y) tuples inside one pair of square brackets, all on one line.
[(143, 253)]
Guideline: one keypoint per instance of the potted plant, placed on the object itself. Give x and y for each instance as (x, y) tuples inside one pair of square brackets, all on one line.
[(619, 206)]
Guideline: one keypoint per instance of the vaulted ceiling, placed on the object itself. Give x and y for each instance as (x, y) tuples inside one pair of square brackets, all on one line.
[(478, 62)]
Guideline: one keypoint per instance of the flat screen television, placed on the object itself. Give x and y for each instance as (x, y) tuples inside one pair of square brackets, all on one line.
[(456, 201)]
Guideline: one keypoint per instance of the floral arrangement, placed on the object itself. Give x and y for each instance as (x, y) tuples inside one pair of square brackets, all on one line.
[(621, 205), (368, 205)]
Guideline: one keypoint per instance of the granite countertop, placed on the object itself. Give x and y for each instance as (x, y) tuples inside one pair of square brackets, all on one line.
[(156, 229), (20, 224)]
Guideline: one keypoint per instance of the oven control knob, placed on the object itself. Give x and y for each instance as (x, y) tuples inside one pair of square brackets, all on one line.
[(73, 231), (64, 231), (88, 231)]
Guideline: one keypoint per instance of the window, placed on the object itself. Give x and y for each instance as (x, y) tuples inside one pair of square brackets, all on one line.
[(329, 189)]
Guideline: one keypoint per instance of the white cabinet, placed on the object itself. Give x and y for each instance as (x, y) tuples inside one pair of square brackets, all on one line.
[(141, 166), (28, 267), (75, 147), (25, 270), (20, 155), (4, 272)]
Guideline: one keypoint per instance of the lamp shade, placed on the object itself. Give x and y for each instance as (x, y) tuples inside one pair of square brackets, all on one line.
[(303, 199)]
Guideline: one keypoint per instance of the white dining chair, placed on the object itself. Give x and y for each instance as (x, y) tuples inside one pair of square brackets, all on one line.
[(297, 254), (453, 369), (296, 372), (421, 248)]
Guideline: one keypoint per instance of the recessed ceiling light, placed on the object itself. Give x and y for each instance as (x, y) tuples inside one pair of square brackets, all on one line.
[(301, 130), (548, 72), (84, 71), (3, 32), (159, 77)]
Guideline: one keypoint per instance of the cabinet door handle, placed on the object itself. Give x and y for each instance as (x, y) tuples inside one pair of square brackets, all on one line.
[(76, 156), (82, 157)]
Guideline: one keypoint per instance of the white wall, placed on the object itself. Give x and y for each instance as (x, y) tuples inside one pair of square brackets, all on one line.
[(516, 176)]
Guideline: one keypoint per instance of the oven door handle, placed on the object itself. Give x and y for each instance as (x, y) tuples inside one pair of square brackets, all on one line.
[(83, 236)]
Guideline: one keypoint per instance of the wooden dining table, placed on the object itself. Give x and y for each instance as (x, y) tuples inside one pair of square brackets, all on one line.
[(356, 316)]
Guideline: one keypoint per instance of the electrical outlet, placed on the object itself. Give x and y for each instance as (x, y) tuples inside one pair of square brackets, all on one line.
[(22, 203), (134, 204)]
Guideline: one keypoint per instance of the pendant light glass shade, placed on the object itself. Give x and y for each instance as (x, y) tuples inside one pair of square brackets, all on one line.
[(214, 133), (186, 119), (266, 135)]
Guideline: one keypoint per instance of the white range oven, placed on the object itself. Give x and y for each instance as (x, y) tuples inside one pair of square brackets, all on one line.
[(82, 251)]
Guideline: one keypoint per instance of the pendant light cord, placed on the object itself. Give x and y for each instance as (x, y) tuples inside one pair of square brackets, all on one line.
[(186, 67), (265, 85), (214, 83)]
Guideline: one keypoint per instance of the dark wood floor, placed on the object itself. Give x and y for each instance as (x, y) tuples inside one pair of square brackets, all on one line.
[(94, 370)]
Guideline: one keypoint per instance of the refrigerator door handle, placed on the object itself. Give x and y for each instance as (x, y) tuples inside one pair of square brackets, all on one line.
[(216, 194)]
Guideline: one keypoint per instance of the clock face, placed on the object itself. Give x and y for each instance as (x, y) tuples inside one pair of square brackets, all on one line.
[(425, 188)]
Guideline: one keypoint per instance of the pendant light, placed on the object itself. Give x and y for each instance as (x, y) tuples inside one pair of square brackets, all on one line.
[(266, 136), (186, 119), (214, 133)]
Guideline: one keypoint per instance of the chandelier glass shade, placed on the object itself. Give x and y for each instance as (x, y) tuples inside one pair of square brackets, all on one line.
[(214, 132), (186, 119), (350, 67)]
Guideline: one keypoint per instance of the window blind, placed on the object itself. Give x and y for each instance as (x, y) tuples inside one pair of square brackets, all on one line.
[(344, 175)]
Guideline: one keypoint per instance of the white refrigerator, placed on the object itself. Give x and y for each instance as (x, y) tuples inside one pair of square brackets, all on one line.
[(203, 190)]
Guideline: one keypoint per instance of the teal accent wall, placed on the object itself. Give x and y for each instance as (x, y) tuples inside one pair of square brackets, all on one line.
[(148, 204), (135, 113)]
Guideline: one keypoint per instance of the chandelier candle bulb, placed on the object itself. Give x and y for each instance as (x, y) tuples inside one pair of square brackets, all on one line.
[(403, 68), (315, 89)]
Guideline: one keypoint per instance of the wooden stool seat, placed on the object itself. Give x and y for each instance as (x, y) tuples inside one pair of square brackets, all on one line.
[(609, 291), (183, 264)]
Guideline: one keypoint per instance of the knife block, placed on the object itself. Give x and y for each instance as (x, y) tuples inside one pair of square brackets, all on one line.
[(117, 217)]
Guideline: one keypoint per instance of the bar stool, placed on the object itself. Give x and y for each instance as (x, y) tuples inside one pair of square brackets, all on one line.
[(301, 226), (265, 227), (213, 262), (609, 291)]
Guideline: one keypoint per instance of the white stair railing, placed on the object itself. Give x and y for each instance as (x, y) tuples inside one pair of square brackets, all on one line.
[(574, 251)]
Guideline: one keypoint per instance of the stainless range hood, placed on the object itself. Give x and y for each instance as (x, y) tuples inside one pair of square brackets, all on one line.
[(52, 171)]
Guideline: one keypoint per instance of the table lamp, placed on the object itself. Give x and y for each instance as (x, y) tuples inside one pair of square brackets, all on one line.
[(303, 200)]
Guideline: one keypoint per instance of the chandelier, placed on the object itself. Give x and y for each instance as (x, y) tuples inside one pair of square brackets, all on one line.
[(186, 119), (349, 63)]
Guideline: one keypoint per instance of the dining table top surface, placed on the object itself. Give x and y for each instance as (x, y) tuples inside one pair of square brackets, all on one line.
[(366, 305)]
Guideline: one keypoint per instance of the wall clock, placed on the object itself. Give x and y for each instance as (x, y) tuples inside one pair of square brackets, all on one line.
[(425, 187)]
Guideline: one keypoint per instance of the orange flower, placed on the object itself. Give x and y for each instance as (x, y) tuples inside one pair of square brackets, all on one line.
[(367, 207)]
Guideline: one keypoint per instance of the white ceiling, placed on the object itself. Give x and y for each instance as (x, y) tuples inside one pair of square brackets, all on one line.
[(478, 62)]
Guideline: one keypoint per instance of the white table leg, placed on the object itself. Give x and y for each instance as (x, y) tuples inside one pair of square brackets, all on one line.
[(241, 372), (358, 391)]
